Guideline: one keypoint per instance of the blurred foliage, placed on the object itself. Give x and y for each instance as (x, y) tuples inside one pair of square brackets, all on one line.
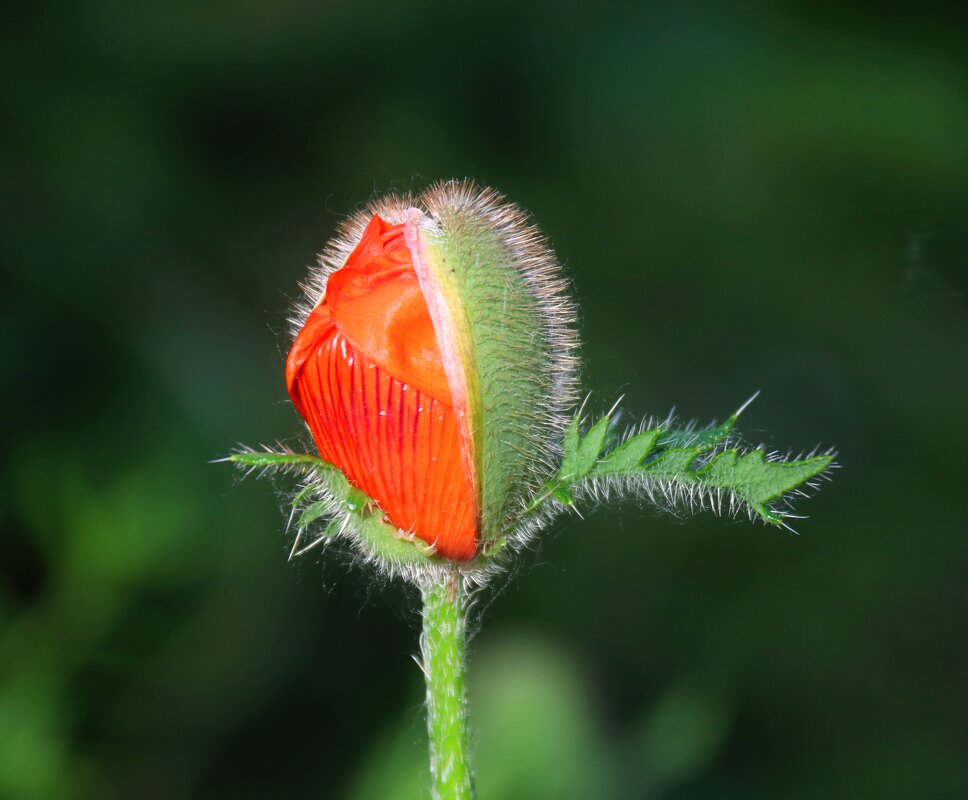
[(761, 196)]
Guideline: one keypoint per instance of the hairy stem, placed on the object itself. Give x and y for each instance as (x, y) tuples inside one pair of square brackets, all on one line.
[(442, 647)]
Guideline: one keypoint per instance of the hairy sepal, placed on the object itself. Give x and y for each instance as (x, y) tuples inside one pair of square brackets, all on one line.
[(498, 284)]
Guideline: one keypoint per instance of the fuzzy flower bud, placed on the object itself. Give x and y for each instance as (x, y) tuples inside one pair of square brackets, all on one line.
[(434, 363)]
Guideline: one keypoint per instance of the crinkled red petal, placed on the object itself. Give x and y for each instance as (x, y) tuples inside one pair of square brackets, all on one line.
[(398, 444), (377, 304)]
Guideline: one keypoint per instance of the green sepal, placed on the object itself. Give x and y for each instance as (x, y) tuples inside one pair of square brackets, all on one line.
[(508, 361)]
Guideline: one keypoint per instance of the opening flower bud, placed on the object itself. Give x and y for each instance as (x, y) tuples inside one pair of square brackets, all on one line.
[(434, 363)]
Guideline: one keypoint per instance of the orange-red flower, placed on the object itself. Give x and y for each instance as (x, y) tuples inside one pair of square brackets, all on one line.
[(434, 361), (367, 374)]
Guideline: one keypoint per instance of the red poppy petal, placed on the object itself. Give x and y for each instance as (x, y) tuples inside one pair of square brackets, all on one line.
[(377, 303), (397, 443)]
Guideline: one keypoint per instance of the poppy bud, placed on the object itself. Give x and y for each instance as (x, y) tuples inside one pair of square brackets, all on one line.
[(435, 362)]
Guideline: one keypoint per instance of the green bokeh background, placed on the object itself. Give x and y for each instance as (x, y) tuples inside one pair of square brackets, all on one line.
[(765, 196)]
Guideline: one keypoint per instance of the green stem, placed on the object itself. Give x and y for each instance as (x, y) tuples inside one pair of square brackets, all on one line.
[(442, 646)]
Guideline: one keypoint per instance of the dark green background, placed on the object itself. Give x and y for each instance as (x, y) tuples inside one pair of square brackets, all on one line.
[(769, 196)]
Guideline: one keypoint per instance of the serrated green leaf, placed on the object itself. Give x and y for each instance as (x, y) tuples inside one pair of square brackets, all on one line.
[(380, 538), (262, 460), (757, 481), (301, 495), (386, 542), (676, 459), (628, 456), (562, 493), (571, 440), (701, 438), (673, 464), (312, 513), (357, 500), (581, 455)]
